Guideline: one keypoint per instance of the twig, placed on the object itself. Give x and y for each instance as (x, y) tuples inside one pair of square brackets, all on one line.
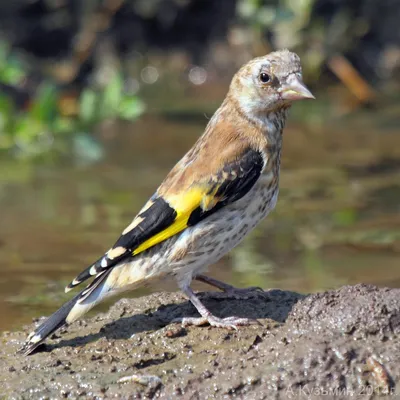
[(351, 78)]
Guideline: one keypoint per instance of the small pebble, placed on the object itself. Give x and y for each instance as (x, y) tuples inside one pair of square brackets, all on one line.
[(144, 380)]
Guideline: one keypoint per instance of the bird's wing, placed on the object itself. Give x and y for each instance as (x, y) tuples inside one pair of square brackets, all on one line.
[(179, 203)]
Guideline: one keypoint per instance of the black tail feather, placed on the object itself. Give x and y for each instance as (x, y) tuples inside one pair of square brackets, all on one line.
[(51, 324)]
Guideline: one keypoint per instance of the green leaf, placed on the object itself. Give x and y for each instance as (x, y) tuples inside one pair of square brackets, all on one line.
[(112, 96), (12, 75), (87, 106), (64, 125), (45, 104), (7, 113), (345, 217), (130, 108), (28, 129)]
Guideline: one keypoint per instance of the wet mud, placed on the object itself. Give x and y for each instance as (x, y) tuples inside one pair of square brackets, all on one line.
[(342, 343)]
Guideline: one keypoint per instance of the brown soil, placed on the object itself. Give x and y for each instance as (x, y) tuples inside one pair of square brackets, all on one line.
[(343, 343)]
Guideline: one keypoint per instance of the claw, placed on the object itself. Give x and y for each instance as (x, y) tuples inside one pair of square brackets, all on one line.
[(229, 323)]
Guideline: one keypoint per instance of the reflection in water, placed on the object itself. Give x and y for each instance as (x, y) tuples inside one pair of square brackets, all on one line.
[(337, 220)]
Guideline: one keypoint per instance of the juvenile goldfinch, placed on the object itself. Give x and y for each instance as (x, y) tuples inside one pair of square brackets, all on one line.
[(213, 197)]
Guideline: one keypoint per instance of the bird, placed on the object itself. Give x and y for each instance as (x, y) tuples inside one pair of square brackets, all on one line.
[(210, 200)]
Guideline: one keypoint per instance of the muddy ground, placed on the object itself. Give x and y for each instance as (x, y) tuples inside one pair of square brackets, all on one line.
[(343, 343)]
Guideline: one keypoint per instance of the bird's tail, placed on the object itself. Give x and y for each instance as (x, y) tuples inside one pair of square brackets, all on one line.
[(68, 313)]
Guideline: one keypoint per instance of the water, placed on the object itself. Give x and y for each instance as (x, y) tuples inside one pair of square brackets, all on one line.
[(337, 220)]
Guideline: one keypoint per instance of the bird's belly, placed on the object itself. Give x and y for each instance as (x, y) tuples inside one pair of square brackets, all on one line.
[(205, 243)]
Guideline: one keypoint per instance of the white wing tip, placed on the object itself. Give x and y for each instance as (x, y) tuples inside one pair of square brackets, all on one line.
[(72, 285)]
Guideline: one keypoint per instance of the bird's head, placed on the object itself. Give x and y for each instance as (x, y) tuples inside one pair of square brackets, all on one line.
[(267, 83)]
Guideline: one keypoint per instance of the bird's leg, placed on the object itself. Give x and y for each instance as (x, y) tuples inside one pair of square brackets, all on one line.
[(207, 317), (237, 293)]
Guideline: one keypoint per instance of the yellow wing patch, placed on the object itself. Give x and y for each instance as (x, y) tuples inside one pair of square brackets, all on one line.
[(184, 205)]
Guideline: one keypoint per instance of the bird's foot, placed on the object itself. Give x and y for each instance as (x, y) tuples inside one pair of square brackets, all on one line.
[(208, 318), (212, 320)]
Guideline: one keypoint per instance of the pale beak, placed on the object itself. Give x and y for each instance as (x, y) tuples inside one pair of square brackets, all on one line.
[(295, 89)]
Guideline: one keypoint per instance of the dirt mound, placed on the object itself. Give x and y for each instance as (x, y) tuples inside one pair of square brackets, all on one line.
[(338, 344)]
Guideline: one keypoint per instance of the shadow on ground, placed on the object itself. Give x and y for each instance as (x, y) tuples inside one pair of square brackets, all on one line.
[(273, 304)]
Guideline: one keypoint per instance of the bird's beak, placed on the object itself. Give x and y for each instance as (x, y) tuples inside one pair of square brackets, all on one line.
[(295, 89)]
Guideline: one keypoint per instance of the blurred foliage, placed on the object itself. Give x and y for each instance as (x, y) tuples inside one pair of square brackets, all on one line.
[(66, 43), (31, 120), (288, 25), (285, 18), (319, 29)]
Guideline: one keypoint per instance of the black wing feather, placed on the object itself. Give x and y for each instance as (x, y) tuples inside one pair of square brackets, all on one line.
[(154, 220), (241, 176)]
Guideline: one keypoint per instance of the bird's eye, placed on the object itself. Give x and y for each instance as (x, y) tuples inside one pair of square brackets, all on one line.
[(264, 77)]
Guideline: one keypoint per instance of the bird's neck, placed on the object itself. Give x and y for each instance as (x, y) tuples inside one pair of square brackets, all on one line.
[(270, 124)]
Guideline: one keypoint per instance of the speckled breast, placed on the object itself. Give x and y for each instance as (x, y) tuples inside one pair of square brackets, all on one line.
[(204, 244)]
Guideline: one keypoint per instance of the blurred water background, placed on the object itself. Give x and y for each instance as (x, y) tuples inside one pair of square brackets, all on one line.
[(99, 99)]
